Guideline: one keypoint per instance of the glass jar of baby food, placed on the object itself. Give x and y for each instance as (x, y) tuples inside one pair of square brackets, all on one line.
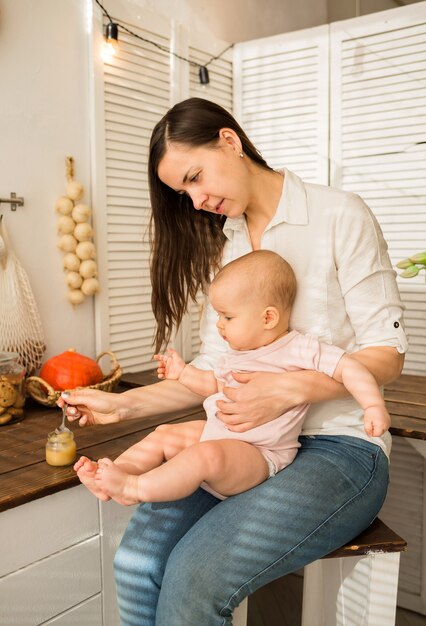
[(12, 392), (60, 448)]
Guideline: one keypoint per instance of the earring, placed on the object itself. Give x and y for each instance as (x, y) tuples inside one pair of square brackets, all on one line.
[(241, 154)]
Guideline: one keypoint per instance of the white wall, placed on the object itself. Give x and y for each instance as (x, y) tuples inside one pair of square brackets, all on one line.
[(43, 78), (345, 9), (241, 20)]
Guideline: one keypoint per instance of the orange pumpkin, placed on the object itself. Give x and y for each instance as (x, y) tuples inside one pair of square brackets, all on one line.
[(70, 370)]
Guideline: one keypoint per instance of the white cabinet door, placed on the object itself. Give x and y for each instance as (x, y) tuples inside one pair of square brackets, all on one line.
[(43, 527), (41, 591), (88, 613)]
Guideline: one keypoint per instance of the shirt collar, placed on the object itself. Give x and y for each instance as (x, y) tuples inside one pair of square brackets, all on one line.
[(292, 207)]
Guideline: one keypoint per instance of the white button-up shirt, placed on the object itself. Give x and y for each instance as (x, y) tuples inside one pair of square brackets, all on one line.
[(347, 292)]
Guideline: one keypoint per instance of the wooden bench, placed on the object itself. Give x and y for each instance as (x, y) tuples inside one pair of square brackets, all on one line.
[(355, 585)]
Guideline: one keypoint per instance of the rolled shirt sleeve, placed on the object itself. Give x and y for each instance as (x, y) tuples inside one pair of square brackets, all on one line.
[(367, 280)]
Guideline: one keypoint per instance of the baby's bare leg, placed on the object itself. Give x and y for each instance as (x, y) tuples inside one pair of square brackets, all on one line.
[(162, 444), (228, 466), (159, 446)]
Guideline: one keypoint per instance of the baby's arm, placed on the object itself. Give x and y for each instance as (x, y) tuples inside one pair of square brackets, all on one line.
[(363, 387), (172, 366)]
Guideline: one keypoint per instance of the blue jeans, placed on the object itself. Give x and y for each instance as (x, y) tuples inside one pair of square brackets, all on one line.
[(192, 561)]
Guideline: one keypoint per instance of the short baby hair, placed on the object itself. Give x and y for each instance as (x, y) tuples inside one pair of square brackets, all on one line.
[(265, 275)]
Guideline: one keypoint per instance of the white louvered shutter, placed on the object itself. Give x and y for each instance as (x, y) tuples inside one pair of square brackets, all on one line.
[(281, 99), (136, 93), (219, 90), (404, 511), (132, 92), (378, 138)]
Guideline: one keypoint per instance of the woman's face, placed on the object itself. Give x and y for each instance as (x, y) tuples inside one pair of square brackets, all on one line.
[(215, 179)]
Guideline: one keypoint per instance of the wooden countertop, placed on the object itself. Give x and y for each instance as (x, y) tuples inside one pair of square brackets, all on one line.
[(406, 402), (25, 476), (24, 473)]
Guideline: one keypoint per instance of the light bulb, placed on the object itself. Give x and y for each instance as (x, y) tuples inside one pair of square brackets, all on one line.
[(111, 42), (203, 75), (108, 52), (111, 33)]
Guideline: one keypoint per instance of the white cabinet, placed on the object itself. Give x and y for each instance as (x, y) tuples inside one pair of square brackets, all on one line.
[(56, 564), (51, 561), (87, 614)]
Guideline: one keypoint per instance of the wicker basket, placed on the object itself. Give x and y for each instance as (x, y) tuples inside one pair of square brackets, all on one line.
[(40, 390)]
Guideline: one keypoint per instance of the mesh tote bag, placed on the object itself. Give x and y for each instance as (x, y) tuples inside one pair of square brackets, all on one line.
[(20, 324)]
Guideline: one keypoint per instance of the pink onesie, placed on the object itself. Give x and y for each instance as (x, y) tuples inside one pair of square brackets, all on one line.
[(277, 440)]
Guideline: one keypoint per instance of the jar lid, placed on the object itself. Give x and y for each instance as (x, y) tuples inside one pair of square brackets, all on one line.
[(7, 357)]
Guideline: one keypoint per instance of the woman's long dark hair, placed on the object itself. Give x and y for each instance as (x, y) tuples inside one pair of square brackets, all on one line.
[(186, 244)]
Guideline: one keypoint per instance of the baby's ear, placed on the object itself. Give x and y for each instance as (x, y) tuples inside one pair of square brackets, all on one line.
[(271, 317)]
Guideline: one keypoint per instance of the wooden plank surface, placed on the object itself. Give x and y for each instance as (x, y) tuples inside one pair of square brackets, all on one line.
[(408, 383), (376, 538), (24, 473), (406, 402), (25, 476)]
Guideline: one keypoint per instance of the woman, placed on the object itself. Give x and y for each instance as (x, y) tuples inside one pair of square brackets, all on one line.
[(191, 562)]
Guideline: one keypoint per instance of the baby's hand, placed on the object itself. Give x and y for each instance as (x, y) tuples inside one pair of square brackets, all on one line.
[(376, 420), (170, 365)]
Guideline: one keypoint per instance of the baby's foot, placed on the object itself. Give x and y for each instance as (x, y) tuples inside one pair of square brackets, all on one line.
[(115, 482), (86, 471)]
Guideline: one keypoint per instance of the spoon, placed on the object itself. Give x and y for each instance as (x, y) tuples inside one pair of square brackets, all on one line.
[(62, 428)]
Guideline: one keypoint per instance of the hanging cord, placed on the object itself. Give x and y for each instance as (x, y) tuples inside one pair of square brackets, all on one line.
[(159, 46), (69, 168)]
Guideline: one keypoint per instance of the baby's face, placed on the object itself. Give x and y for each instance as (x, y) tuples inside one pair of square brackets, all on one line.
[(240, 319)]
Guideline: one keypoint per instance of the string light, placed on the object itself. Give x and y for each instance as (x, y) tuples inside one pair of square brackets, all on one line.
[(111, 34), (203, 74), (111, 42)]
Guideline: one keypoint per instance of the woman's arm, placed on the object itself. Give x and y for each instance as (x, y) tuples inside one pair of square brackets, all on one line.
[(90, 406), (266, 396), (384, 362)]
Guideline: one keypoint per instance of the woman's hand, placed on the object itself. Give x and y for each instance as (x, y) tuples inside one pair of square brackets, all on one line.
[(261, 398), (90, 406)]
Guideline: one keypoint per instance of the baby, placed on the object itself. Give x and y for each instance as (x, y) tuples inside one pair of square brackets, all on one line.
[(252, 296)]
